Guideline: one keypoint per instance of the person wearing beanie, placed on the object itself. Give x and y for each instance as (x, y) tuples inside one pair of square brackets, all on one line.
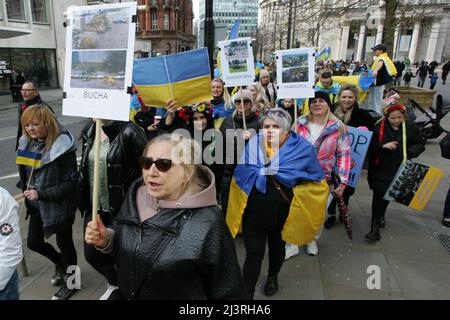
[(268, 88), (388, 150), (235, 137), (383, 69), (330, 138)]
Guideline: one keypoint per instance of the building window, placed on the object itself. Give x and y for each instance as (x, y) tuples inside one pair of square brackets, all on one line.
[(154, 3), (167, 50), (15, 10), (166, 22), (154, 21), (39, 10)]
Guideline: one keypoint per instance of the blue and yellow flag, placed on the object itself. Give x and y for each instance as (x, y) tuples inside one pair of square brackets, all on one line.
[(295, 166), (28, 158), (234, 31), (324, 54), (184, 77), (363, 83)]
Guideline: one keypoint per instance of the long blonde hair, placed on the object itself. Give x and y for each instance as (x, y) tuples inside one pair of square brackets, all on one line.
[(225, 94), (262, 104), (45, 116)]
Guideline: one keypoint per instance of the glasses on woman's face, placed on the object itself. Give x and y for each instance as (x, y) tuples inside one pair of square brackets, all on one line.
[(162, 165)]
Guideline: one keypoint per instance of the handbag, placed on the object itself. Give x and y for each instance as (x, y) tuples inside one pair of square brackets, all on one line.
[(445, 146)]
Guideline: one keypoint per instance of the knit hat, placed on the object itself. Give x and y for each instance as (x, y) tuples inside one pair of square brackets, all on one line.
[(264, 73), (246, 94), (322, 95)]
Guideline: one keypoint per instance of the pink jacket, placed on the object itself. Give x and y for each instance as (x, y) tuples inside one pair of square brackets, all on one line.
[(332, 147)]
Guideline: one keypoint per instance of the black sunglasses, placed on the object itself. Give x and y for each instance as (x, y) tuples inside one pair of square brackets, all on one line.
[(162, 165)]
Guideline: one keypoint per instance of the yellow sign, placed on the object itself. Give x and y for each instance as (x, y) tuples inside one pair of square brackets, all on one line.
[(426, 189)]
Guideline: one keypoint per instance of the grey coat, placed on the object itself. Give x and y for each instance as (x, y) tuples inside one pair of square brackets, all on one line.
[(55, 181)]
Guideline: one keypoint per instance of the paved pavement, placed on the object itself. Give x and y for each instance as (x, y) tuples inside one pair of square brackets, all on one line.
[(412, 261)]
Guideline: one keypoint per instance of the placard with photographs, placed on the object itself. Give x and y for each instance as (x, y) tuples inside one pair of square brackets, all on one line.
[(295, 73), (99, 61), (413, 184), (236, 62)]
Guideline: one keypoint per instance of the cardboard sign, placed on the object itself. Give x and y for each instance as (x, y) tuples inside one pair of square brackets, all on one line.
[(359, 142), (99, 61), (413, 185), (236, 60), (295, 73)]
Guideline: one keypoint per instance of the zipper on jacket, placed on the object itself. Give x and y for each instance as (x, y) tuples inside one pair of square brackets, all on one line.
[(139, 231)]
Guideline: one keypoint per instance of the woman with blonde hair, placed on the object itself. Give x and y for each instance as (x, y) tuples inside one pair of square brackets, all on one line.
[(169, 239), (48, 191), (261, 103), (222, 104)]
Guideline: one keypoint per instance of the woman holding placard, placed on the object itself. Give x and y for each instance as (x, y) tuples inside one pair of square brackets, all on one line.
[(394, 140), (347, 110), (169, 239), (236, 131)]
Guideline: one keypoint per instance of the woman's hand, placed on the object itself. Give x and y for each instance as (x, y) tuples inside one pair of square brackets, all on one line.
[(391, 145), (172, 106), (96, 233), (31, 195), (246, 134), (339, 190)]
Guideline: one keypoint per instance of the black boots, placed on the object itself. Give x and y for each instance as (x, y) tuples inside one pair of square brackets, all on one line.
[(374, 233), (271, 286), (58, 277), (330, 221)]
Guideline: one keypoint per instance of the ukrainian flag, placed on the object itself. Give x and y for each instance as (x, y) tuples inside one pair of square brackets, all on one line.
[(363, 83), (184, 77), (295, 166), (324, 54), (28, 158), (135, 105)]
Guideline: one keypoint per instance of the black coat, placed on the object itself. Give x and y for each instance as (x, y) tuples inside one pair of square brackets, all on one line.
[(181, 254), (127, 142), (231, 145), (55, 181), (22, 107), (359, 118), (384, 163)]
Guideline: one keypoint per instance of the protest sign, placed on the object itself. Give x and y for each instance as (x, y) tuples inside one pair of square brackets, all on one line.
[(99, 61), (184, 77), (237, 65), (295, 73), (413, 185), (359, 143)]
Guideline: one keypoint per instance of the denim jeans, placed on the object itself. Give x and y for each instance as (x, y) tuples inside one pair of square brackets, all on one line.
[(375, 98), (11, 291)]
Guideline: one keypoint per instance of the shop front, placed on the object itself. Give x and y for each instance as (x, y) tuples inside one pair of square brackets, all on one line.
[(20, 64)]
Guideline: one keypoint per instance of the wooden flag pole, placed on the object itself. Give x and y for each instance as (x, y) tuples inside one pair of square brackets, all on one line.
[(98, 128), (243, 109), (295, 115)]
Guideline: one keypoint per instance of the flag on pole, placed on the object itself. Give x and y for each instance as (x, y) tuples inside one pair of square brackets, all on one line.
[(233, 34), (28, 158), (184, 77), (324, 54)]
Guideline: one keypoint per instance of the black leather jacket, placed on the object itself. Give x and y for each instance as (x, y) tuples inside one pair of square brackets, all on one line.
[(180, 254), (127, 142)]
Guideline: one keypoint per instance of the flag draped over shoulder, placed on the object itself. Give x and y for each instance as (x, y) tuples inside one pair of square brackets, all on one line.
[(184, 77), (28, 158), (295, 166), (390, 67)]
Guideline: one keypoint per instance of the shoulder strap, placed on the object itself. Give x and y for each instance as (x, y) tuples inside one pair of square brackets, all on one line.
[(279, 189)]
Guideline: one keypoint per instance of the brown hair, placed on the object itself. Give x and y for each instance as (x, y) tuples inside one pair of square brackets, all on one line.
[(45, 116)]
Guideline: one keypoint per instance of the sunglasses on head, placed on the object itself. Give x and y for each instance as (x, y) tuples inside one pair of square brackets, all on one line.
[(162, 165)]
